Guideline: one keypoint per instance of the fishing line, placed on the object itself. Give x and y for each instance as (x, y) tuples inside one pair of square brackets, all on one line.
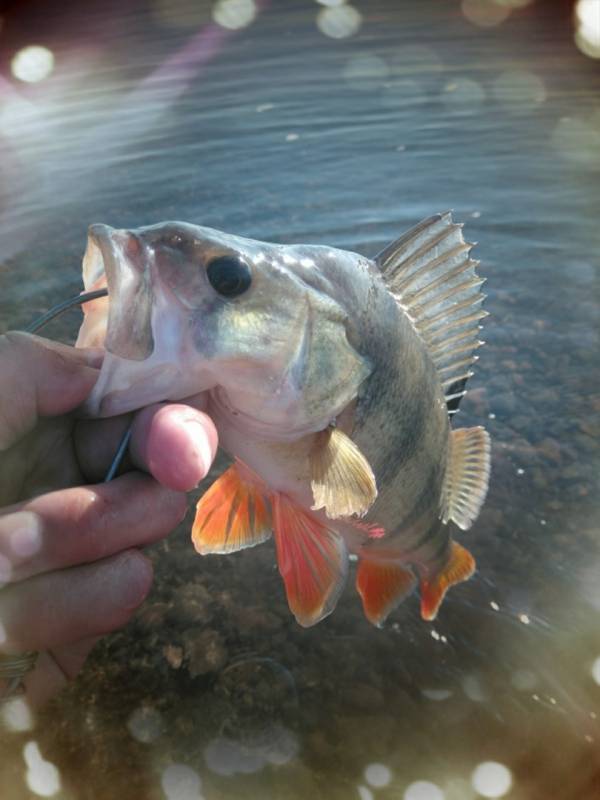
[(85, 297), (55, 311)]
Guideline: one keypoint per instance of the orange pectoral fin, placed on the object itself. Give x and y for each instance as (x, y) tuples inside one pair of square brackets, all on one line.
[(382, 586), (312, 561), (231, 515), (460, 567)]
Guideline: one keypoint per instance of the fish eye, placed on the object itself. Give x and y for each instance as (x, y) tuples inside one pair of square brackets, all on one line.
[(229, 276)]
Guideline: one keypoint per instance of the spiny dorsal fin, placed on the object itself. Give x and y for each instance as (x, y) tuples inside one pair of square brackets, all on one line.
[(467, 475), (434, 280), (342, 480)]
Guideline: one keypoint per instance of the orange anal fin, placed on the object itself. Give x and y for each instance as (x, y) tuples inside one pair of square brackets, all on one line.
[(382, 587), (460, 567), (312, 560), (231, 515)]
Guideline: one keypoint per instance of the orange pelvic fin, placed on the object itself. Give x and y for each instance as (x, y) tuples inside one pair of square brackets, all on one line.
[(231, 515), (460, 567), (312, 561), (382, 587)]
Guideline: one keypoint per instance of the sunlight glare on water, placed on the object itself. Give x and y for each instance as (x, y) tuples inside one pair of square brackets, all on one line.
[(519, 90), (42, 777), (492, 779), (33, 64), (587, 33), (234, 14), (424, 790), (484, 13), (378, 775), (339, 21), (180, 782), (16, 715)]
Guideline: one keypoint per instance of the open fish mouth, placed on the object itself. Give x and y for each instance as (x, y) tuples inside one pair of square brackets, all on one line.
[(118, 259)]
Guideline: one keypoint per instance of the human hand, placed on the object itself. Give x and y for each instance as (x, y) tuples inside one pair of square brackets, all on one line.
[(69, 567)]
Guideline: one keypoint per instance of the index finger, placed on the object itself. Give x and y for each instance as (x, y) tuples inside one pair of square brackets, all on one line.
[(83, 524), (40, 378)]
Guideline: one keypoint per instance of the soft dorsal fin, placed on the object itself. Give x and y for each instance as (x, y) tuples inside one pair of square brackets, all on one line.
[(467, 475), (342, 480), (434, 280)]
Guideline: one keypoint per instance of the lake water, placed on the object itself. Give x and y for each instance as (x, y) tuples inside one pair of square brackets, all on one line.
[(280, 131)]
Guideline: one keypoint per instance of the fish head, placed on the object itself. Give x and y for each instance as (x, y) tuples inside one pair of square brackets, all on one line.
[(192, 310)]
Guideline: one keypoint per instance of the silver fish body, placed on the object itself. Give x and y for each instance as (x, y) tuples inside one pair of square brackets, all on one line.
[(327, 375)]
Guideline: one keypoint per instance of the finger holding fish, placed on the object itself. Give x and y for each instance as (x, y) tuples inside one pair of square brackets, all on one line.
[(174, 442)]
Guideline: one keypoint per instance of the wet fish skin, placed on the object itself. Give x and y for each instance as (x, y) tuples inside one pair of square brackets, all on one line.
[(319, 339)]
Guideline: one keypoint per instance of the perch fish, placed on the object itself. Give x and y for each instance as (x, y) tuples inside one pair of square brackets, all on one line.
[(332, 380)]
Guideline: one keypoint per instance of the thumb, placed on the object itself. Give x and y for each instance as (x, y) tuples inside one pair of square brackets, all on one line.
[(40, 378)]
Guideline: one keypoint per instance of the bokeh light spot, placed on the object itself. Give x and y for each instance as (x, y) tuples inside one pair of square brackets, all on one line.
[(42, 777), (339, 22), (578, 141), (16, 715), (519, 90), (474, 689), (32, 64), (463, 93), (378, 775), (484, 13), (588, 46), (180, 782), (491, 779), (436, 694), (234, 14), (588, 19), (424, 790), (596, 670), (145, 724), (365, 71), (523, 680), (364, 793)]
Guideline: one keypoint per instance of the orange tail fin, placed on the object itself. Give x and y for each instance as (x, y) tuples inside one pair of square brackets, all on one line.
[(460, 567), (382, 587), (231, 515)]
